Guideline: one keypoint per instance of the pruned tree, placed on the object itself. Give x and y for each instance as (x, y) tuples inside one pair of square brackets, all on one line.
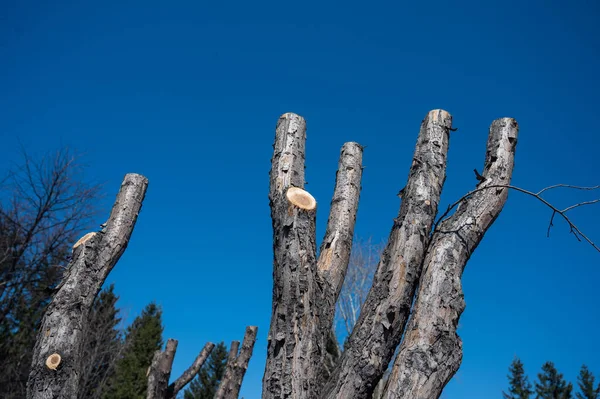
[(45, 204), (418, 275), (57, 355), (206, 383), (159, 372)]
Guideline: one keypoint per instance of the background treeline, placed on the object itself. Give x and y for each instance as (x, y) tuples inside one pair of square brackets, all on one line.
[(45, 207), (550, 384)]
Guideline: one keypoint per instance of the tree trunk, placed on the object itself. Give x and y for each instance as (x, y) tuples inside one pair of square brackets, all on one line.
[(385, 312), (237, 364), (57, 353), (305, 289), (431, 352)]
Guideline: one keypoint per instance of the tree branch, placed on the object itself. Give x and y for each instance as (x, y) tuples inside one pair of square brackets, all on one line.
[(189, 374), (379, 328), (237, 366), (431, 351), (160, 372), (62, 325)]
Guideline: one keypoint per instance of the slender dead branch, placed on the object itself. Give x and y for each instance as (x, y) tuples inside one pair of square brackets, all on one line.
[(574, 229), (237, 364), (431, 351), (63, 322), (189, 374), (383, 317)]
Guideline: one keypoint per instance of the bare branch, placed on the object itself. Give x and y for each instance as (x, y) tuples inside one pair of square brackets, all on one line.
[(62, 325), (160, 372), (431, 351), (385, 312), (337, 243), (574, 229), (237, 366), (567, 186), (189, 374)]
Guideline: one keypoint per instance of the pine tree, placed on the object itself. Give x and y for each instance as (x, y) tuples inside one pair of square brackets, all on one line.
[(520, 388), (551, 384), (205, 385), (102, 345), (143, 338), (585, 380)]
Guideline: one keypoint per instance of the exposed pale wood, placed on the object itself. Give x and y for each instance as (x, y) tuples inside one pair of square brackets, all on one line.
[(431, 351), (237, 364), (304, 294), (290, 366), (383, 317), (62, 325)]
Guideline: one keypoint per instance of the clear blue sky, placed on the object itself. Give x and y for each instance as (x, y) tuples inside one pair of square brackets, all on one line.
[(188, 94)]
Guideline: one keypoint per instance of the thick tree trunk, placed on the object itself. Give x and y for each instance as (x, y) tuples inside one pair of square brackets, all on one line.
[(431, 351), (383, 317), (237, 364), (57, 353), (305, 289)]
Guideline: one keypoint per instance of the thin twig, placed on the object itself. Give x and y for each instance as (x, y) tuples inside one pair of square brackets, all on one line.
[(574, 229)]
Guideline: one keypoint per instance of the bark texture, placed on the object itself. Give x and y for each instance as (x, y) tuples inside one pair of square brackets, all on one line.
[(160, 372), (237, 364), (383, 317), (61, 328), (431, 351), (304, 293)]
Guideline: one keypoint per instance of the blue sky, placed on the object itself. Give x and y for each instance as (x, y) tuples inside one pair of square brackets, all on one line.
[(188, 94)]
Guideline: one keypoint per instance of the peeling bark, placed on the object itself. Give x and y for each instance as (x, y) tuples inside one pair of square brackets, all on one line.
[(304, 293), (237, 364), (383, 317), (61, 328), (431, 351)]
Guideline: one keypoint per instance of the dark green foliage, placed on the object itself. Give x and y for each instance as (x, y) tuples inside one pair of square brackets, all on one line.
[(102, 346), (143, 338), (585, 381), (520, 388), (551, 384), (205, 385)]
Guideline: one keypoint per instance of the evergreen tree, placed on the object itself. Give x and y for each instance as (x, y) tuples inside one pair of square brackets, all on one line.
[(101, 347), (551, 384), (585, 380), (520, 388), (205, 385), (143, 338)]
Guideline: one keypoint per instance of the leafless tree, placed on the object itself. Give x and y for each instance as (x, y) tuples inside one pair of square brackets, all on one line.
[(44, 205), (418, 275)]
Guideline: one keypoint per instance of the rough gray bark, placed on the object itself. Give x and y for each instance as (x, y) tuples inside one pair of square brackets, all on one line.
[(431, 351), (237, 364), (60, 334), (384, 315), (304, 289), (160, 371)]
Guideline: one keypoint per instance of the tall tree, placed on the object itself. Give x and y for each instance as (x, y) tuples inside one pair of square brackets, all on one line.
[(205, 385), (585, 381), (143, 339), (551, 384), (45, 204), (101, 346), (520, 387)]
